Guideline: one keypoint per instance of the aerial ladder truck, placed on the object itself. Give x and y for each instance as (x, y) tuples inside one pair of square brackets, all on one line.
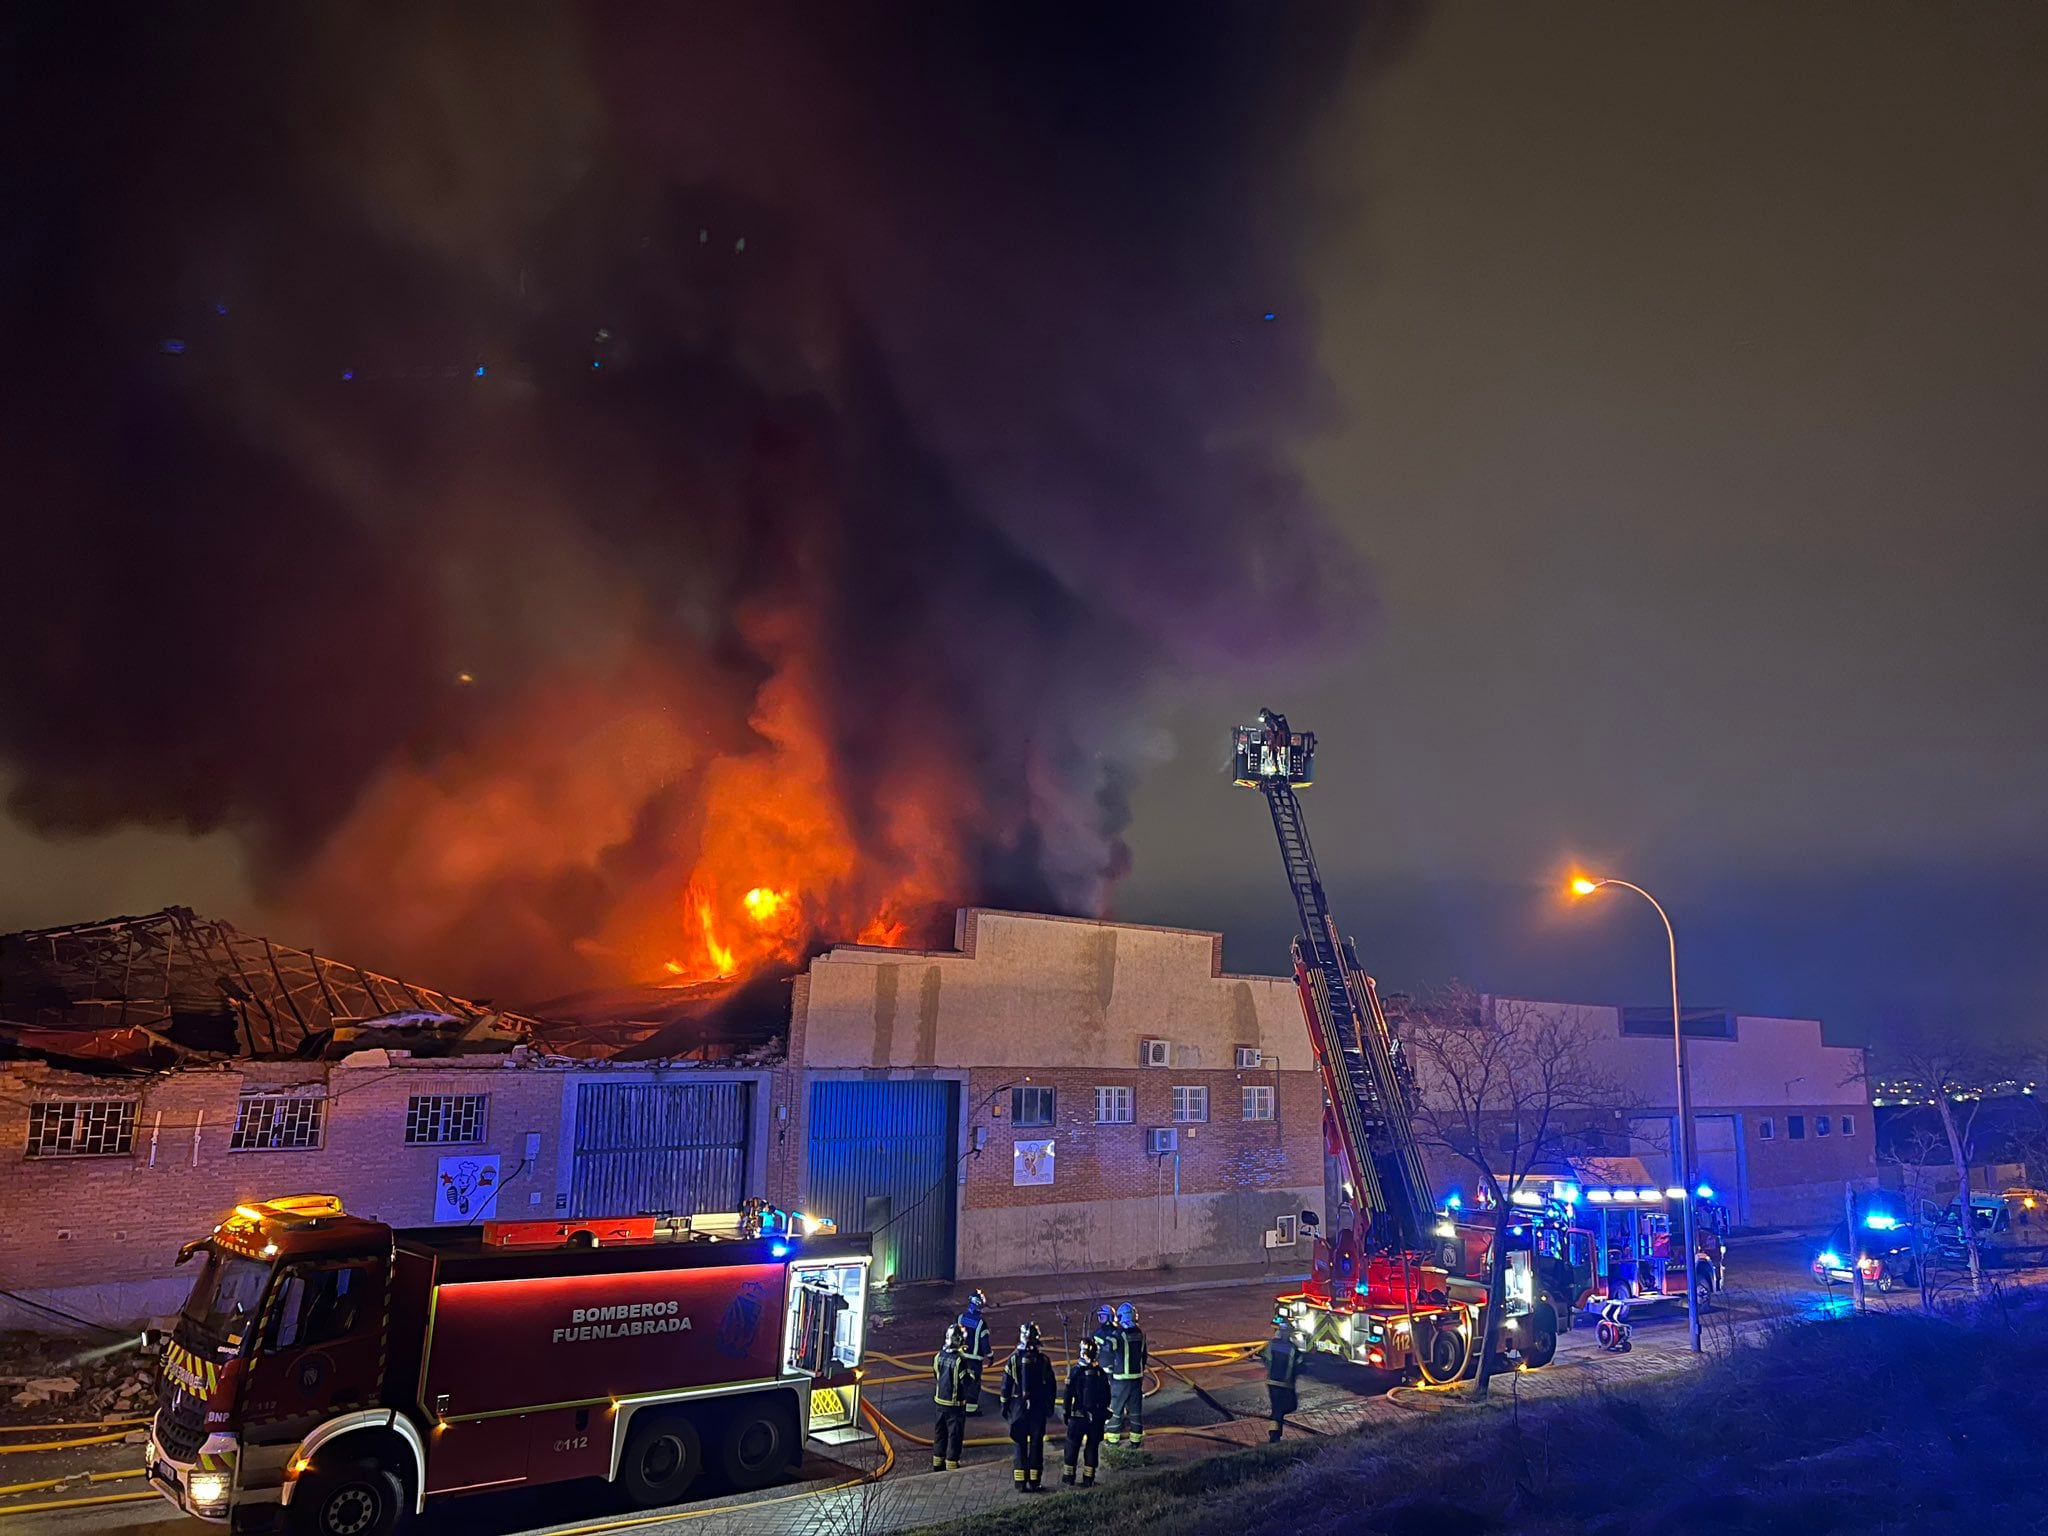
[(1375, 1294)]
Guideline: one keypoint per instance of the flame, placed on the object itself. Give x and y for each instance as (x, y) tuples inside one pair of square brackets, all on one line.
[(633, 827)]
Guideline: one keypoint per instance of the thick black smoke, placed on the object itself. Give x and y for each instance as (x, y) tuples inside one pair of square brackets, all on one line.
[(504, 406)]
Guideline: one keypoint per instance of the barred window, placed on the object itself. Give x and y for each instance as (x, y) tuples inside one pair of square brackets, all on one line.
[(1114, 1106), (1190, 1104), (1031, 1106), (1258, 1103), (444, 1119), (278, 1122), (81, 1127)]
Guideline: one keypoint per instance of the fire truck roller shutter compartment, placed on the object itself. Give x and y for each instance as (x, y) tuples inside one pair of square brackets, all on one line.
[(513, 1363)]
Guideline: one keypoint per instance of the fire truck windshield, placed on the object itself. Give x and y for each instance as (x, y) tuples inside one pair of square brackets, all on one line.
[(225, 1296)]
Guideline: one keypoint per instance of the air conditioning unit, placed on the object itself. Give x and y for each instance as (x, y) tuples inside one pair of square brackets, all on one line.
[(1162, 1139), (1155, 1053), (1250, 1056)]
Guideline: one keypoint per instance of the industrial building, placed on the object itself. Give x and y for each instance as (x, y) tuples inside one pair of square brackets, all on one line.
[(1049, 1095)]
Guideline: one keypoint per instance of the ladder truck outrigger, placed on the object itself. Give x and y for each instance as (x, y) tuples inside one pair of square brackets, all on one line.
[(1376, 1294)]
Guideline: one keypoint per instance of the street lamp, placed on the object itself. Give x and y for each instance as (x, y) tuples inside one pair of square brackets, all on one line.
[(1581, 886)]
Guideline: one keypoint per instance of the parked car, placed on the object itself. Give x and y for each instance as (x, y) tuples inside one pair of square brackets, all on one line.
[(1884, 1250)]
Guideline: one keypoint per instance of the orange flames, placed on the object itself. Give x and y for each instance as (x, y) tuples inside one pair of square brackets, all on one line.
[(601, 831)]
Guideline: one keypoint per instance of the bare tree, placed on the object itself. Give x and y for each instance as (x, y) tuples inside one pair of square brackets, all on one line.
[(1505, 1088), (1914, 1150), (1952, 1073)]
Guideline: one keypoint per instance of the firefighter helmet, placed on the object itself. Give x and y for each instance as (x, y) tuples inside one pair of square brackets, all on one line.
[(1091, 1352), (1105, 1315), (1027, 1336), (956, 1336), (976, 1301), (1127, 1316)]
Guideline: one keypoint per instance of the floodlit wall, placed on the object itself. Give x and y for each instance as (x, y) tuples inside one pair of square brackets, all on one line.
[(1067, 1005)]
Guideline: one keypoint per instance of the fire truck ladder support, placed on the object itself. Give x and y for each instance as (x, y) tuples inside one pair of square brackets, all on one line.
[(1356, 1049)]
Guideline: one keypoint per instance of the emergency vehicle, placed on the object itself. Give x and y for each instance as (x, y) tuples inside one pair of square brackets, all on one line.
[(1377, 1294), (329, 1374)]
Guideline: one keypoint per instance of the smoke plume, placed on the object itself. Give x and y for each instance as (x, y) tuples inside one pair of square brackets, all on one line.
[(638, 492)]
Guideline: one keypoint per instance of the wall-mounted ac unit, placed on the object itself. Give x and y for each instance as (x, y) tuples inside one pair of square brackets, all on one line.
[(1162, 1139), (1155, 1053), (1250, 1056)]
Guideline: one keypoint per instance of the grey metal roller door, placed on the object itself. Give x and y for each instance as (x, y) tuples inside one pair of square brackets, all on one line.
[(881, 1160), (663, 1147)]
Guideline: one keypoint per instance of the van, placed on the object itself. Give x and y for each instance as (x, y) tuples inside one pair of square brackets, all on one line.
[(2012, 1228)]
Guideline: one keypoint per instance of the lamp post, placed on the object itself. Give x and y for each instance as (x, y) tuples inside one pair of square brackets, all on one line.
[(1581, 886)]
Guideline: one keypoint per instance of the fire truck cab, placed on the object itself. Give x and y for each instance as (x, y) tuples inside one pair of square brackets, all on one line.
[(329, 1373)]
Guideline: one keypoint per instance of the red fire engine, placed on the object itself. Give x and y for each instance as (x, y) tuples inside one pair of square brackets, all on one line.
[(1376, 1294), (330, 1374)]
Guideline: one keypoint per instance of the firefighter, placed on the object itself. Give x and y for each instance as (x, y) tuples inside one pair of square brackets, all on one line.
[(1105, 1333), (950, 1373), (1127, 1380), (975, 1351), (1283, 1364), (1028, 1391), (1085, 1408)]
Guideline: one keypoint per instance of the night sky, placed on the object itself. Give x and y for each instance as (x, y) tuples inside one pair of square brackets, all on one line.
[(1664, 388)]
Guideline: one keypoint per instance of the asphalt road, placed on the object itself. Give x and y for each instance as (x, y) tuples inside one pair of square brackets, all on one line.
[(1768, 1278)]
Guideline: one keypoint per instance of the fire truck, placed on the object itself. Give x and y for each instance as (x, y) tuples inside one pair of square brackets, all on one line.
[(1377, 1293), (330, 1374)]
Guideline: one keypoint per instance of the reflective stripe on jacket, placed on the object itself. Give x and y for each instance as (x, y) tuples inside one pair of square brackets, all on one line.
[(949, 1373), (1129, 1362)]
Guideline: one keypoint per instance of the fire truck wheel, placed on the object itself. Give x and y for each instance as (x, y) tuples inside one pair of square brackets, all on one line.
[(350, 1498), (754, 1450), (1442, 1355), (662, 1459), (1542, 1346)]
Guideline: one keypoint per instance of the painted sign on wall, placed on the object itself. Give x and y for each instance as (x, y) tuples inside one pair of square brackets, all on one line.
[(466, 1188), (1031, 1162)]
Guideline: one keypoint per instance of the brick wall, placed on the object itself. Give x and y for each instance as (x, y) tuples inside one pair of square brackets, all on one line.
[(99, 1235), (1798, 1182)]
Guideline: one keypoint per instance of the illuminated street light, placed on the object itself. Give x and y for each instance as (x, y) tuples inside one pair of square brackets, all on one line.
[(1583, 886)]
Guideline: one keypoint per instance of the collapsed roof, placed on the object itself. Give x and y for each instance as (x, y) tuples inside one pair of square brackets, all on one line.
[(171, 988)]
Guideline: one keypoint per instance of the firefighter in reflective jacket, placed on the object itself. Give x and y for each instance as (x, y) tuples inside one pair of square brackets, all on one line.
[(1028, 1392), (1127, 1380), (975, 1351), (1283, 1364), (1085, 1407), (949, 1379)]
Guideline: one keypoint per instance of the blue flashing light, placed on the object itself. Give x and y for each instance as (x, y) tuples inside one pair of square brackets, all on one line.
[(1829, 1260), (1878, 1221), (780, 1250), (347, 374), (220, 309), (597, 362), (1454, 1200), (1268, 315), (1705, 1191), (171, 345), (481, 370)]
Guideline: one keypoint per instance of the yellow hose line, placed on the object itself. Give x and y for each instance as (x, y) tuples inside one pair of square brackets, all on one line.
[(59, 1482), (634, 1522), (65, 1445), (101, 1498)]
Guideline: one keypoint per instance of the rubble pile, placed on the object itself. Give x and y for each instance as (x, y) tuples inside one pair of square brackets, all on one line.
[(71, 1381)]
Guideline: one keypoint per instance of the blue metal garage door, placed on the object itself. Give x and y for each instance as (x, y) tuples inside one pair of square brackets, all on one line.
[(882, 1161), (674, 1148)]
